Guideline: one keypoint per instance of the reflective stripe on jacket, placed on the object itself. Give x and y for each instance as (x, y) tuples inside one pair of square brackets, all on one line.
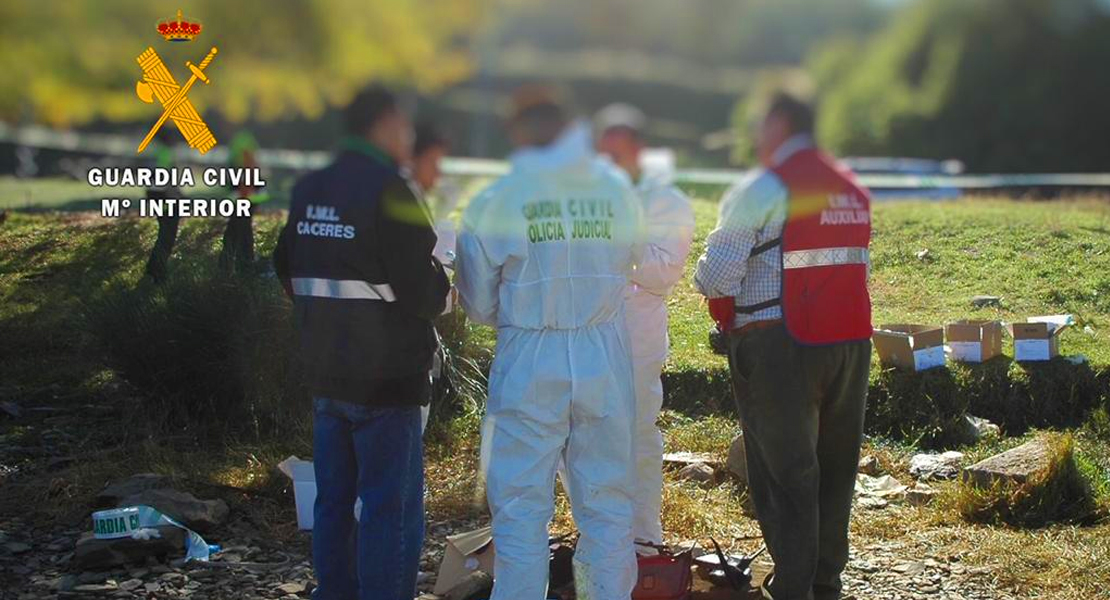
[(357, 255)]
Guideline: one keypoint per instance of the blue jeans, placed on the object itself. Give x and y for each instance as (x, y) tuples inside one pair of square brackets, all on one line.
[(375, 454)]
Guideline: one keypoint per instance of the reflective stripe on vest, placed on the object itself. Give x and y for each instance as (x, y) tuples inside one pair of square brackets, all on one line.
[(824, 257), (824, 251), (342, 289)]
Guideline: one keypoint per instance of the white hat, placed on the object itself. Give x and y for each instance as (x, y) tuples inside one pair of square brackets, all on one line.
[(619, 115)]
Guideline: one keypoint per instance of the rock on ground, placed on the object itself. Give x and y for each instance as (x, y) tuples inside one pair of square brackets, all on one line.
[(737, 463), (294, 587), (1017, 465), (936, 466), (700, 473), (869, 465), (685, 459), (114, 493), (201, 515), (983, 301), (92, 554), (974, 429), (921, 494)]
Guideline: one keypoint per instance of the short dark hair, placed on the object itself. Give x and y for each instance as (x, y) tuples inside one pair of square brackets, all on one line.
[(428, 136), (367, 108), (797, 113), (542, 123)]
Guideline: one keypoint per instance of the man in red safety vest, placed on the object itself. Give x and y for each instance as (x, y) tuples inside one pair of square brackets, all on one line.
[(786, 273)]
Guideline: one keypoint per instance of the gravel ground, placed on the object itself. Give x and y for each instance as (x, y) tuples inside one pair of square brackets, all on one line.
[(36, 557), (38, 564)]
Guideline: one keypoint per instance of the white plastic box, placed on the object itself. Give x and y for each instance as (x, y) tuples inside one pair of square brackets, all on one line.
[(304, 490)]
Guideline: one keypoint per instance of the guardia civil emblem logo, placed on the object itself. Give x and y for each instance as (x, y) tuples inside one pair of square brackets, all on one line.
[(158, 82)]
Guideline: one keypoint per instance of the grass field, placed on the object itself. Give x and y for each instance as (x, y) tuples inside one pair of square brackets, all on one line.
[(1041, 258)]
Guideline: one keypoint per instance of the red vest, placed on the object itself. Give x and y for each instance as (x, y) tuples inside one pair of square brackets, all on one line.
[(824, 251)]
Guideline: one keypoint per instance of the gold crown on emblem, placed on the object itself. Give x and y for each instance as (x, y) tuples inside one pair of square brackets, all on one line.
[(179, 29)]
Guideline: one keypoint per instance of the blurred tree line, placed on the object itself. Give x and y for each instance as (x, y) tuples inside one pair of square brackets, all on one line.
[(1004, 85), (741, 33), (73, 62)]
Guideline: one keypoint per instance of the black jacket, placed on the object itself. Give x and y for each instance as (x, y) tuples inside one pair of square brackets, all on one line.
[(356, 255)]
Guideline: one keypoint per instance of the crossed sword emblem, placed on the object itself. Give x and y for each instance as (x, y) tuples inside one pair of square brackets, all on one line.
[(159, 82)]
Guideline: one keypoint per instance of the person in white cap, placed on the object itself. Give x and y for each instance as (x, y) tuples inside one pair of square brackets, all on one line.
[(669, 231), (544, 255)]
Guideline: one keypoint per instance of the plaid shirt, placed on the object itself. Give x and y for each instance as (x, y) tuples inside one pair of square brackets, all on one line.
[(752, 213)]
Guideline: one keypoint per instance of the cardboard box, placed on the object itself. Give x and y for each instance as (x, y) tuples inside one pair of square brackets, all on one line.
[(974, 341), (913, 347), (1039, 338), (465, 552)]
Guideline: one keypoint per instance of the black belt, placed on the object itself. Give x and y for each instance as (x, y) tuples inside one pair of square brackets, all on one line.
[(757, 326)]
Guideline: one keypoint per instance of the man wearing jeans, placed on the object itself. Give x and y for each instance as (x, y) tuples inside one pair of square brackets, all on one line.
[(356, 257), (785, 272)]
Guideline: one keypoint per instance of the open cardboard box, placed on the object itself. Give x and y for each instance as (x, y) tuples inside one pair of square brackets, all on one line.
[(1039, 338), (465, 552), (974, 340), (913, 347)]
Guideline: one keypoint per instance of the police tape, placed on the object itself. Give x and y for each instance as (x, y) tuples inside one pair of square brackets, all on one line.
[(902, 181), (140, 523)]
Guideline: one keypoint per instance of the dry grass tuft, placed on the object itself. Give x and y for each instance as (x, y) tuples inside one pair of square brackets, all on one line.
[(710, 434), (1063, 493), (694, 513)]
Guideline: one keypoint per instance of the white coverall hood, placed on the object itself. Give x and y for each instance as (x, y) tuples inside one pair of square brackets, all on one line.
[(544, 254)]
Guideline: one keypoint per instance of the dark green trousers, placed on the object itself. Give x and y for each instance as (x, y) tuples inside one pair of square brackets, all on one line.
[(238, 244), (801, 409), (156, 265)]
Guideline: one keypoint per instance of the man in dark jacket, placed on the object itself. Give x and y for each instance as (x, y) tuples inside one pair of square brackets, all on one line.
[(356, 257)]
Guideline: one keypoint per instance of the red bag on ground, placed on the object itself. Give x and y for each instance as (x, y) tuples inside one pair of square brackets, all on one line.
[(665, 576)]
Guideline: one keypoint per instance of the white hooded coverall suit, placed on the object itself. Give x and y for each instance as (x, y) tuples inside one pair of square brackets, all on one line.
[(544, 255), (669, 231)]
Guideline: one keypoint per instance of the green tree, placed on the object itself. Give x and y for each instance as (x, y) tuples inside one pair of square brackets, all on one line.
[(72, 62), (1004, 85)]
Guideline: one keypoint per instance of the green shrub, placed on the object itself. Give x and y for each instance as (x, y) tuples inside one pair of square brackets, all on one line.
[(460, 391), (702, 391), (1070, 490), (924, 408), (216, 353), (1099, 424), (209, 351), (927, 409)]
